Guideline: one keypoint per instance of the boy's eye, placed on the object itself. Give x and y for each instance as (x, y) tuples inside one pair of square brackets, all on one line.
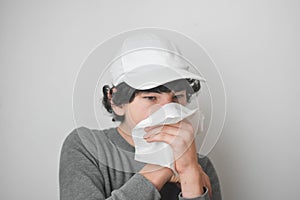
[(178, 96), (151, 98)]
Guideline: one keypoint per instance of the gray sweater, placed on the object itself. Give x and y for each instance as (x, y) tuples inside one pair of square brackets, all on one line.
[(96, 165)]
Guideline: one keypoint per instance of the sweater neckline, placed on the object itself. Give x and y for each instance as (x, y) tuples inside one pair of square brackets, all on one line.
[(117, 139)]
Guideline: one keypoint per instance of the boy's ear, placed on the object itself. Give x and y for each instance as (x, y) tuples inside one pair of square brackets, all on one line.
[(119, 110)]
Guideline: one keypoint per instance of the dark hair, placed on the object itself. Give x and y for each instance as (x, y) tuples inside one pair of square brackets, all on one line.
[(126, 94)]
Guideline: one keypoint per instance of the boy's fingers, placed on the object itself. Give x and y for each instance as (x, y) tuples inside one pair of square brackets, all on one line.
[(152, 127), (161, 137), (179, 124), (208, 185), (184, 134)]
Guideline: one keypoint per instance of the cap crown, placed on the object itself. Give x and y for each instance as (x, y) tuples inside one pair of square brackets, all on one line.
[(144, 50)]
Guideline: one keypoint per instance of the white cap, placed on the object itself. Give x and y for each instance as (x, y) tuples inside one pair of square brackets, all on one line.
[(146, 61)]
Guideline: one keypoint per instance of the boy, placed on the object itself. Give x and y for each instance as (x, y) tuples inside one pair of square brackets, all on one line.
[(149, 74)]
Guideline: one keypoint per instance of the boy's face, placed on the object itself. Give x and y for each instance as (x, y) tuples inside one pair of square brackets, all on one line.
[(145, 103)]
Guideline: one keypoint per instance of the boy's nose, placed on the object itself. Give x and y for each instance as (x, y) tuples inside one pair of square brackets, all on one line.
[(166, 98)]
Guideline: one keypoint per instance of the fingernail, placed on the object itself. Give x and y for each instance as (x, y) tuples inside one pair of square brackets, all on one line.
[(147, 129)]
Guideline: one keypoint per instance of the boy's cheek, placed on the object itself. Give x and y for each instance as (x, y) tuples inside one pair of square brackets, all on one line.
[(136, 117), (146, 112), (153, 109)]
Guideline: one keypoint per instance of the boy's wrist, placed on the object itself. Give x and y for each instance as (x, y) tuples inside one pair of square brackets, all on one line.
[(157, 175), (191, 184)]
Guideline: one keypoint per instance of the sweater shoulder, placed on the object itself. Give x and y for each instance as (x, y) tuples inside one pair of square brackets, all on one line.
[(210, 170), (203, 160), (91, 139), (206, 163), (81, 133)]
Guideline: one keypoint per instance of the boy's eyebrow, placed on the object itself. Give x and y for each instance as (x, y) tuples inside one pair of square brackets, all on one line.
[(147, 92), (159, 92)]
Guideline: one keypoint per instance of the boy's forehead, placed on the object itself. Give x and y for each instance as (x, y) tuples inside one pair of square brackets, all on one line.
[(159, 92)]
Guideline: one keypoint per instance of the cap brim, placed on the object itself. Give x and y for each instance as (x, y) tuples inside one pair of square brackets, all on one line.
[(147, 77)]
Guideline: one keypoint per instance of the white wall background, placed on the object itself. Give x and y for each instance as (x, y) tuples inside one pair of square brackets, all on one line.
[(254, 43)]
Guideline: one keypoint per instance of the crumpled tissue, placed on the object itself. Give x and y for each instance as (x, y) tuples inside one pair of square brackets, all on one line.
[(158, 153)]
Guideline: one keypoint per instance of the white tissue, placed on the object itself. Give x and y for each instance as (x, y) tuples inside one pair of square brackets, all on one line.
[(158, 153)]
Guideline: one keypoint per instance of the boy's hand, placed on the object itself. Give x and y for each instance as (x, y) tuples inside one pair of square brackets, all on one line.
[(180, 137)]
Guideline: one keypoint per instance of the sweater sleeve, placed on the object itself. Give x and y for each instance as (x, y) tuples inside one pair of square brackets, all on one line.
[(209, 169), (80, 177), (204, 196)]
